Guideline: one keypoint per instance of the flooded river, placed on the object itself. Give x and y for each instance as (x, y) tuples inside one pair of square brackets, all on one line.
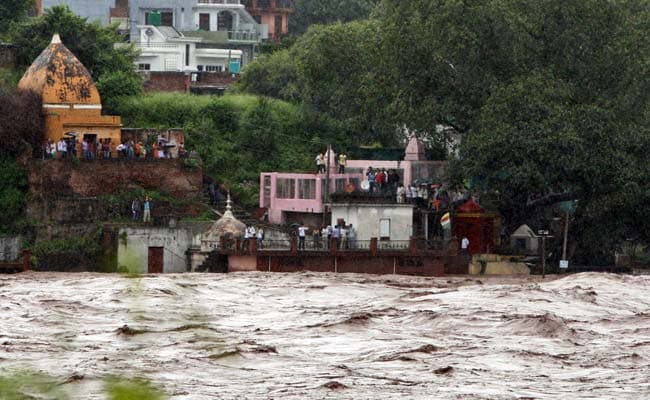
[(327, 336)]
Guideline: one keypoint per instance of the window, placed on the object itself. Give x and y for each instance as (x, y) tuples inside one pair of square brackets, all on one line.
[(224, 21), (285, 188), (199, 68), (384, 229), (306, 188), (144, 67), (214, 68), (166, 18), (204, 22), (339, 185)]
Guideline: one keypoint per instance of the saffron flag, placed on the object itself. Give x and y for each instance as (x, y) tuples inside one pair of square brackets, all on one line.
[(445, 220)]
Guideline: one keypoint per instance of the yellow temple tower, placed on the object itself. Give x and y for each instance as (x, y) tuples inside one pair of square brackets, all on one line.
[(71, 101)]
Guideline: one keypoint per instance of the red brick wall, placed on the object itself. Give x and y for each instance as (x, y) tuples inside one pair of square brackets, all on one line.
[(176, 81)]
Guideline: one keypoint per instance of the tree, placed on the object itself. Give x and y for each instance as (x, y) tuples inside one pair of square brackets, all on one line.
[(13, 185), (20, 134), (12, 11), (312, 12), (273, 75), (341, 75)]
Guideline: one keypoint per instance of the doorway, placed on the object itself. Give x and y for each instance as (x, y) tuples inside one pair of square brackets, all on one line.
[(156, 260)]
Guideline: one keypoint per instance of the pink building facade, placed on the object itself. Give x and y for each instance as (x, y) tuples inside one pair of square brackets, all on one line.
[(301, 198), (290, 197)]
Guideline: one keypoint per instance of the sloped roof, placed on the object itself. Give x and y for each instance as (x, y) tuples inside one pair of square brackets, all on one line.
[(60, 77), (470, 206)]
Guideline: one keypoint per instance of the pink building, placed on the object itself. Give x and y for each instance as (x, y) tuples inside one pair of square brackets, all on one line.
[(301, 198)]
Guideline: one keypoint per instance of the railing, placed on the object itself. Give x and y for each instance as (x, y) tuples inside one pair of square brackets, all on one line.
[(154, 44), (243, 36), (393, 244), (278, 244), (218, 1), (322, 244)]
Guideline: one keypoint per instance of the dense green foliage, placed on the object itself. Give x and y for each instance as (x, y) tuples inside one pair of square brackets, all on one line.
[(237, 136), (73, 251), (13, 185), (13, 11), (94, 45), (551, 99), (312, 12)]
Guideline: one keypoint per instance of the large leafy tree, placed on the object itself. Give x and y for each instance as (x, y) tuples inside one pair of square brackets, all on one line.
[(312, 12), (342, 75), (12, 11), (551, 98)]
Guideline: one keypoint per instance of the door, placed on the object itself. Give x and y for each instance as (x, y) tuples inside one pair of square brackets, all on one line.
[(156, 260)]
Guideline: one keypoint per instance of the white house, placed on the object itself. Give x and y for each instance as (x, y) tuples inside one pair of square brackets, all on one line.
[(163, 48), (392, 222)]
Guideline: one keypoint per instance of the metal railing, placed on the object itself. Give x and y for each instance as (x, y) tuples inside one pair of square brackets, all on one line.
[(218, 1), (243, 36), (145, 45)]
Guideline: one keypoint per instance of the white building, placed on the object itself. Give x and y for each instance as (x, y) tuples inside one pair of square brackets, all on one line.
[(385, 222), (163, 48)]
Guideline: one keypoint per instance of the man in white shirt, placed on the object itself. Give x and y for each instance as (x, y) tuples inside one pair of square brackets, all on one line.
[(464, 247), (302, 232)]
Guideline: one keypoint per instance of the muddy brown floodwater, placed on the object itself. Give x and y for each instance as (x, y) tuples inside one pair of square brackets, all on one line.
[(327, 336)]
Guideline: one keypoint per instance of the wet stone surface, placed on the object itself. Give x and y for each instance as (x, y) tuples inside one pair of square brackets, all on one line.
[(315, 336)]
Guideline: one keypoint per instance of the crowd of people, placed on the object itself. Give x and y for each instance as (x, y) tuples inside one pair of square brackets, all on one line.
[(341, 236), (70, 147)]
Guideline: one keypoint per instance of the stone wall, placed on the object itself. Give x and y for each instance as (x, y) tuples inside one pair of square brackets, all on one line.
[(53, 178), (10, 247), (69, 198)]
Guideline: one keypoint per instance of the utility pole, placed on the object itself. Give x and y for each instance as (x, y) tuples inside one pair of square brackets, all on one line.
[(327, 178), (566, 233), (543, 233)]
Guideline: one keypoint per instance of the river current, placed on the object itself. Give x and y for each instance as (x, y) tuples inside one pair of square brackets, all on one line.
[(329, 336)]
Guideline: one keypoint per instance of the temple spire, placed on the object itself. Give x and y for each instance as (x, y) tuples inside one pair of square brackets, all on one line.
[(228, 212), (56, 39)]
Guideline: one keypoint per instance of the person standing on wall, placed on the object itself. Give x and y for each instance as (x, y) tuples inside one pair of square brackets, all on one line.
[(342, 161), (302, 232), (135, 209), (147, 210)]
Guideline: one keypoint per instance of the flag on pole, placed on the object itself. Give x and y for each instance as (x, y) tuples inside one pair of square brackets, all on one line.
[(445, 220)]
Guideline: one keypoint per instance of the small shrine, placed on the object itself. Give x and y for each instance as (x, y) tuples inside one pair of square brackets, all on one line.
[(71, 101), (225, 229), (472, 221)]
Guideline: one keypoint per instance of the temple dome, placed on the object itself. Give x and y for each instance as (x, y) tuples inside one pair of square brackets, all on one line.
[(60, 78), (226, 226)]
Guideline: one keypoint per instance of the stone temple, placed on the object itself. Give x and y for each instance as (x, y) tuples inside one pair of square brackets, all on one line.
[(71, 101)]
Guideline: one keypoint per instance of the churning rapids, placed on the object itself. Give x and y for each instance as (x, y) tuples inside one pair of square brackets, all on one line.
[(347, 336)]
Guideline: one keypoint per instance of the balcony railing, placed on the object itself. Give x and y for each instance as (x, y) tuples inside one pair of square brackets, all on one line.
[(218, 1)]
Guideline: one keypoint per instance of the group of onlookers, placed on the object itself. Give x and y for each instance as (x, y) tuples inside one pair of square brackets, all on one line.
[(381, 180), (341, 236), (340, 163), (141, 209), (91, 149), (431, 196), (253, 233)]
